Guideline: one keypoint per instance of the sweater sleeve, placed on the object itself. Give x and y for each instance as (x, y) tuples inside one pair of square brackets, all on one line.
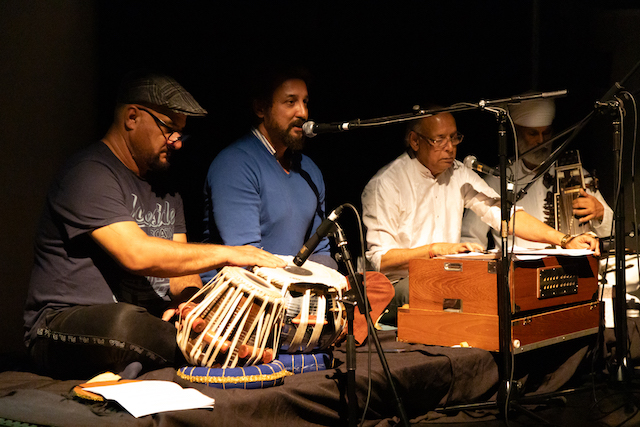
[(234, 190)]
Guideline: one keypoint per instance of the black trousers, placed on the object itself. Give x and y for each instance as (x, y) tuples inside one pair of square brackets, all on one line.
[(390, 317), (83, 341)]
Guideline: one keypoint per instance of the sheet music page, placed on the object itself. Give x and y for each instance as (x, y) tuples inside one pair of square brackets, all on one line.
[(147, 397), (529, 254), (523, 253)]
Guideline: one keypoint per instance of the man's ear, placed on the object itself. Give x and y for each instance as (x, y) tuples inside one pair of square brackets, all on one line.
[(412, 137), (131, 117), (259, 108)]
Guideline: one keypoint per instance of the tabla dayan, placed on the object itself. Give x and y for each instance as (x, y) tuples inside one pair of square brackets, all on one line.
[(314, 313), (234, 320)]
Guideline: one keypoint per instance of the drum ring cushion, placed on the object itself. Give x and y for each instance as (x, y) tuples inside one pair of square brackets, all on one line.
[(257, 376), (248, 377)]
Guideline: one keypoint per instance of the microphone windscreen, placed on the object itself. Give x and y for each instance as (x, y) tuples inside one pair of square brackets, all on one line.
[(469, 161), (307, 128)]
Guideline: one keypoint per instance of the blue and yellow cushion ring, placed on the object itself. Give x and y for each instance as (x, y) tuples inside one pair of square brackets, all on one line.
[(248, 377), (258, 376), (302, 363)]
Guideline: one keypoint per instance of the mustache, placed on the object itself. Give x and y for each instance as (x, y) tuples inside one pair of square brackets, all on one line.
[(296, 123)]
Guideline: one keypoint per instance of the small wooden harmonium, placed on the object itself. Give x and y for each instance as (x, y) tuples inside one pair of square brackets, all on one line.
[(454, 300)]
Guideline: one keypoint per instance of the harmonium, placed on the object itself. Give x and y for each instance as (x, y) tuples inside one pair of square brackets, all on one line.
[(454, 301)]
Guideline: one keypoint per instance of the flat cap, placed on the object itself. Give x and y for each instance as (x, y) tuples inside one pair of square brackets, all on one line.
[(158, 89)]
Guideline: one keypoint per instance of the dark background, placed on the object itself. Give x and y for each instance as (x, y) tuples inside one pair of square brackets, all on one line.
[(62, 61)]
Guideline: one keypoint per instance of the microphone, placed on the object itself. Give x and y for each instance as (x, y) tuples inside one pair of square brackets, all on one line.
[(322, 231), (312, 128), (473, 163)]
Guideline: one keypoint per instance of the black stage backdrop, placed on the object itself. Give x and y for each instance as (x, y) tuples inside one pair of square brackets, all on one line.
[(62, 62)]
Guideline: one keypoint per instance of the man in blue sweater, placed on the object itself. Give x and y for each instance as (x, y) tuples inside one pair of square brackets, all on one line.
[(261, 190)]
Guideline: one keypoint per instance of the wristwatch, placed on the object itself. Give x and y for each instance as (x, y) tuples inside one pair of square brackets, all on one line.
[(564, 240)]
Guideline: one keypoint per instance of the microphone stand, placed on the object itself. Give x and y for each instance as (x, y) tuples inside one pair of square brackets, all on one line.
[(420, 113), (507, 394), (355, 296), (624, 368), (504, 294), (623, 365)]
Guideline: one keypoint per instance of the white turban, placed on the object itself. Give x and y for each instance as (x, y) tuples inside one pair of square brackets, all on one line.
[(534, 113)]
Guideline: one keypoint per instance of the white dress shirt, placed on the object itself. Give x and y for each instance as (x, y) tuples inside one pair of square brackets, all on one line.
[(405, 206)]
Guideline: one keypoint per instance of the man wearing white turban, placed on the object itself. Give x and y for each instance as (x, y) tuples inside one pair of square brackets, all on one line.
[(533, 121)]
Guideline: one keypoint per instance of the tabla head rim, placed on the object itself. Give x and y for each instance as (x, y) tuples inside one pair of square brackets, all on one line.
[(250, 281), (309, 272)]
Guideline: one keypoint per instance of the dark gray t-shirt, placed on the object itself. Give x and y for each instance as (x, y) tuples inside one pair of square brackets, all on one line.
[(93, 190)]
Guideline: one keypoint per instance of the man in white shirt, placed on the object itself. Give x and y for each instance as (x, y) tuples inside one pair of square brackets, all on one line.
[(413, 206), (533, 122)]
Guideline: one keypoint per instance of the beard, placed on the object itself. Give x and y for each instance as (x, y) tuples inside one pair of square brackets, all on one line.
[(156, 165), (534, 157), (152, 162), (293, 142)]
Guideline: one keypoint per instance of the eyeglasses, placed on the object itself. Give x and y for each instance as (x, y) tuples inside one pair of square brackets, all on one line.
[(173, 135), (442, 141)]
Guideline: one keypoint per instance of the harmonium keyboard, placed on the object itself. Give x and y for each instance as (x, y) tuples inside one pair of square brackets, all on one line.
[(454, 301)]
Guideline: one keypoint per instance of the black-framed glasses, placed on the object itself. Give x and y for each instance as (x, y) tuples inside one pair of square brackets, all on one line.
[(440, 142), (173, 135)]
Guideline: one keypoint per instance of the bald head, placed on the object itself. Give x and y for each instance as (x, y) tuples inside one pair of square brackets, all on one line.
[(422, 141)]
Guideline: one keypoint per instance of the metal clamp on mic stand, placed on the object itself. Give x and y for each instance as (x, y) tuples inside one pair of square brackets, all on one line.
[(356, 297)]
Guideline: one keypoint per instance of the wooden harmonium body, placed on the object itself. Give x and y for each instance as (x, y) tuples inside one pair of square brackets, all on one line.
[(453, 301)]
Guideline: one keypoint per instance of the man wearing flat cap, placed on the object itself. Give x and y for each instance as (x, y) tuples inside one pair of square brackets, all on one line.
[(533, 121), (111, 255)]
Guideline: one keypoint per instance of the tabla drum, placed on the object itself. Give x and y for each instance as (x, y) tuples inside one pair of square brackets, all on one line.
[(314, 313), (234, 320)]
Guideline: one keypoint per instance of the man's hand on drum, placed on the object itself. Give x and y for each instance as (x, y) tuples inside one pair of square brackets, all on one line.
[(250, 255), (437, 249), (173, 313)]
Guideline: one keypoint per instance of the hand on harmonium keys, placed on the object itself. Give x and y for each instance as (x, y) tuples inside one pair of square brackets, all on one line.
[(438, 249)]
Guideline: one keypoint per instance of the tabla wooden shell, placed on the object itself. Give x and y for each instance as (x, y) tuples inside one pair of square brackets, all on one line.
[(314, 313), (234, 320)]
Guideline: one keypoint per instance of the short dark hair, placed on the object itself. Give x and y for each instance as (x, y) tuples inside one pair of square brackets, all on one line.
[(269, 79)]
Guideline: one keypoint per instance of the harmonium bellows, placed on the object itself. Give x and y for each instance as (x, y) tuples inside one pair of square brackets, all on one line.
[(455, 300)]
